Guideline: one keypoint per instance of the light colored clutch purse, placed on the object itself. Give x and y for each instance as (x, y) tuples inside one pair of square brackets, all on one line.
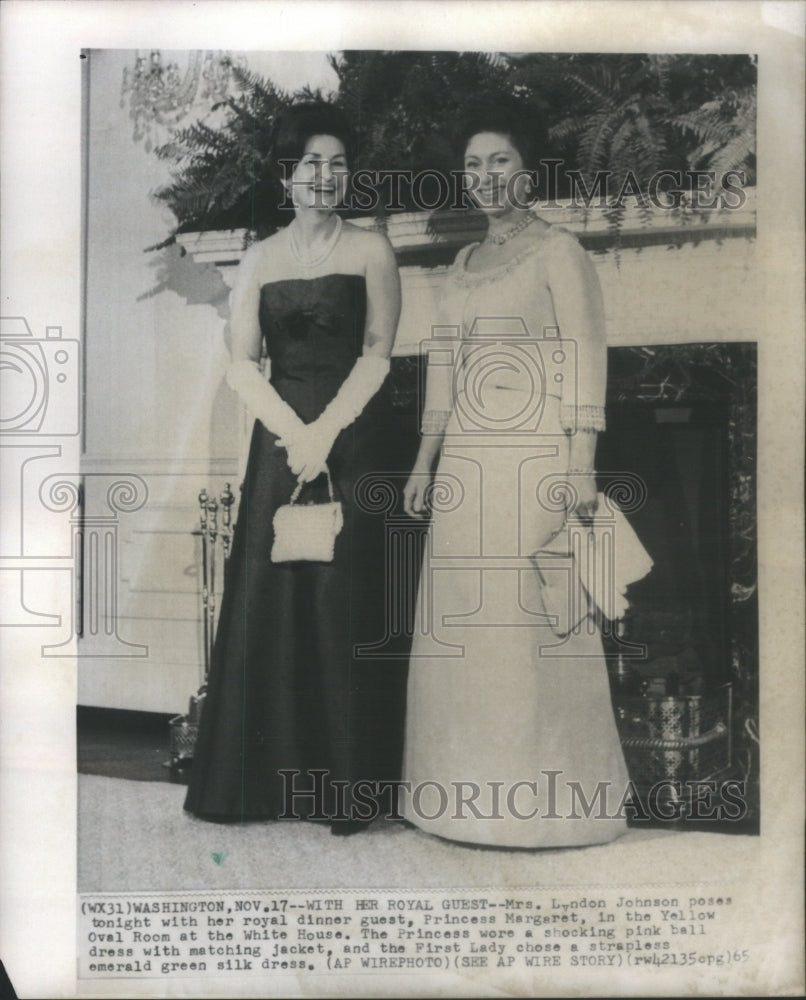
[(307, 532), (564, 602), (586, 565)]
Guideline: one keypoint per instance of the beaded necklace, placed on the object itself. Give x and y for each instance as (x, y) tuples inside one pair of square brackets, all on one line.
[(501, 238), (307, 259)]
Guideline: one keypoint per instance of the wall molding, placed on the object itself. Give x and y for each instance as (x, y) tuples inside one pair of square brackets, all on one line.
[(411, 235)]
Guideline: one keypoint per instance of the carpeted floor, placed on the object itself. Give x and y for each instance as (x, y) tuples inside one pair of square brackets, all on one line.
[(134, 835)]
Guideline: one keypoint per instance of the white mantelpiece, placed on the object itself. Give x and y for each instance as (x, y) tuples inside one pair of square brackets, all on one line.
[(689, 281)]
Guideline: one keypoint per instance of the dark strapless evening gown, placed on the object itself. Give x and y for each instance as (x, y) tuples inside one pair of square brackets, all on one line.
[(286, 691)]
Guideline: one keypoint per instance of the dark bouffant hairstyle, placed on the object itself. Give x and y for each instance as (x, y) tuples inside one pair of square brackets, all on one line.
[(523, 126), (296, 125)]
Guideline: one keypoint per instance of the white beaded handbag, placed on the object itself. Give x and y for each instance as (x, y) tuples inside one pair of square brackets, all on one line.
[(307, 532)]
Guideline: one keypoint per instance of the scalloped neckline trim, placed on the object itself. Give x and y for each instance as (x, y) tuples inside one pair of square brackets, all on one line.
[(464, 277)]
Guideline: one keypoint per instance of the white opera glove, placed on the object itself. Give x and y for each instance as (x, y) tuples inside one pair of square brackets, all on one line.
[(263, 400), (308, 452), (366, 377)]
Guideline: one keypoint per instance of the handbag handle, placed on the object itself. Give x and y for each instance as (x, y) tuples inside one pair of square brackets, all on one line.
[(298, 488)]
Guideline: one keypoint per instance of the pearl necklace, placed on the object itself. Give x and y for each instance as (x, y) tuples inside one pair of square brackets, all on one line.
[(306, 259), (499, 239)]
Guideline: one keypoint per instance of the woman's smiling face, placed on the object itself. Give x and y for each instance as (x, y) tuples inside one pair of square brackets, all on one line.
[(320, 177), (495, 174)]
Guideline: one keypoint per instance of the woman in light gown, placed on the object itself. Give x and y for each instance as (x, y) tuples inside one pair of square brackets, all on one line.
[(510, 734)]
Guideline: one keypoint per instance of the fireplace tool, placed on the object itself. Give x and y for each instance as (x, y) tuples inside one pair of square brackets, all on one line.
[(672, 741), (216, 541)]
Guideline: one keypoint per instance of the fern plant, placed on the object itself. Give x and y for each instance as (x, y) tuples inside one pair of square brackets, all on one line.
[(222, 176), (631, 115), (725, 131)]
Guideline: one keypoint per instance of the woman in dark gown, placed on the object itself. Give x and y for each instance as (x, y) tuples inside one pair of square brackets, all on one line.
[(291, 704)]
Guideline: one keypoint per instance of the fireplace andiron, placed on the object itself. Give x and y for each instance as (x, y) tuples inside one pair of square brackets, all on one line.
[(215, 544)]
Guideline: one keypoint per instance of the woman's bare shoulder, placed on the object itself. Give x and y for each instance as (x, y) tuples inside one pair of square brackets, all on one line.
[(261, 256), (369, 246), (370, 240)]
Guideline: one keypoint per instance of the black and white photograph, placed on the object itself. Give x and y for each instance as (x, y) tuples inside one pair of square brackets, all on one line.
[(402, 547)]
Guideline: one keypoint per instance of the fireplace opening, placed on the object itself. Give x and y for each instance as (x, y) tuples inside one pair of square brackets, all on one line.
[(679, 612), (684, 660)]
